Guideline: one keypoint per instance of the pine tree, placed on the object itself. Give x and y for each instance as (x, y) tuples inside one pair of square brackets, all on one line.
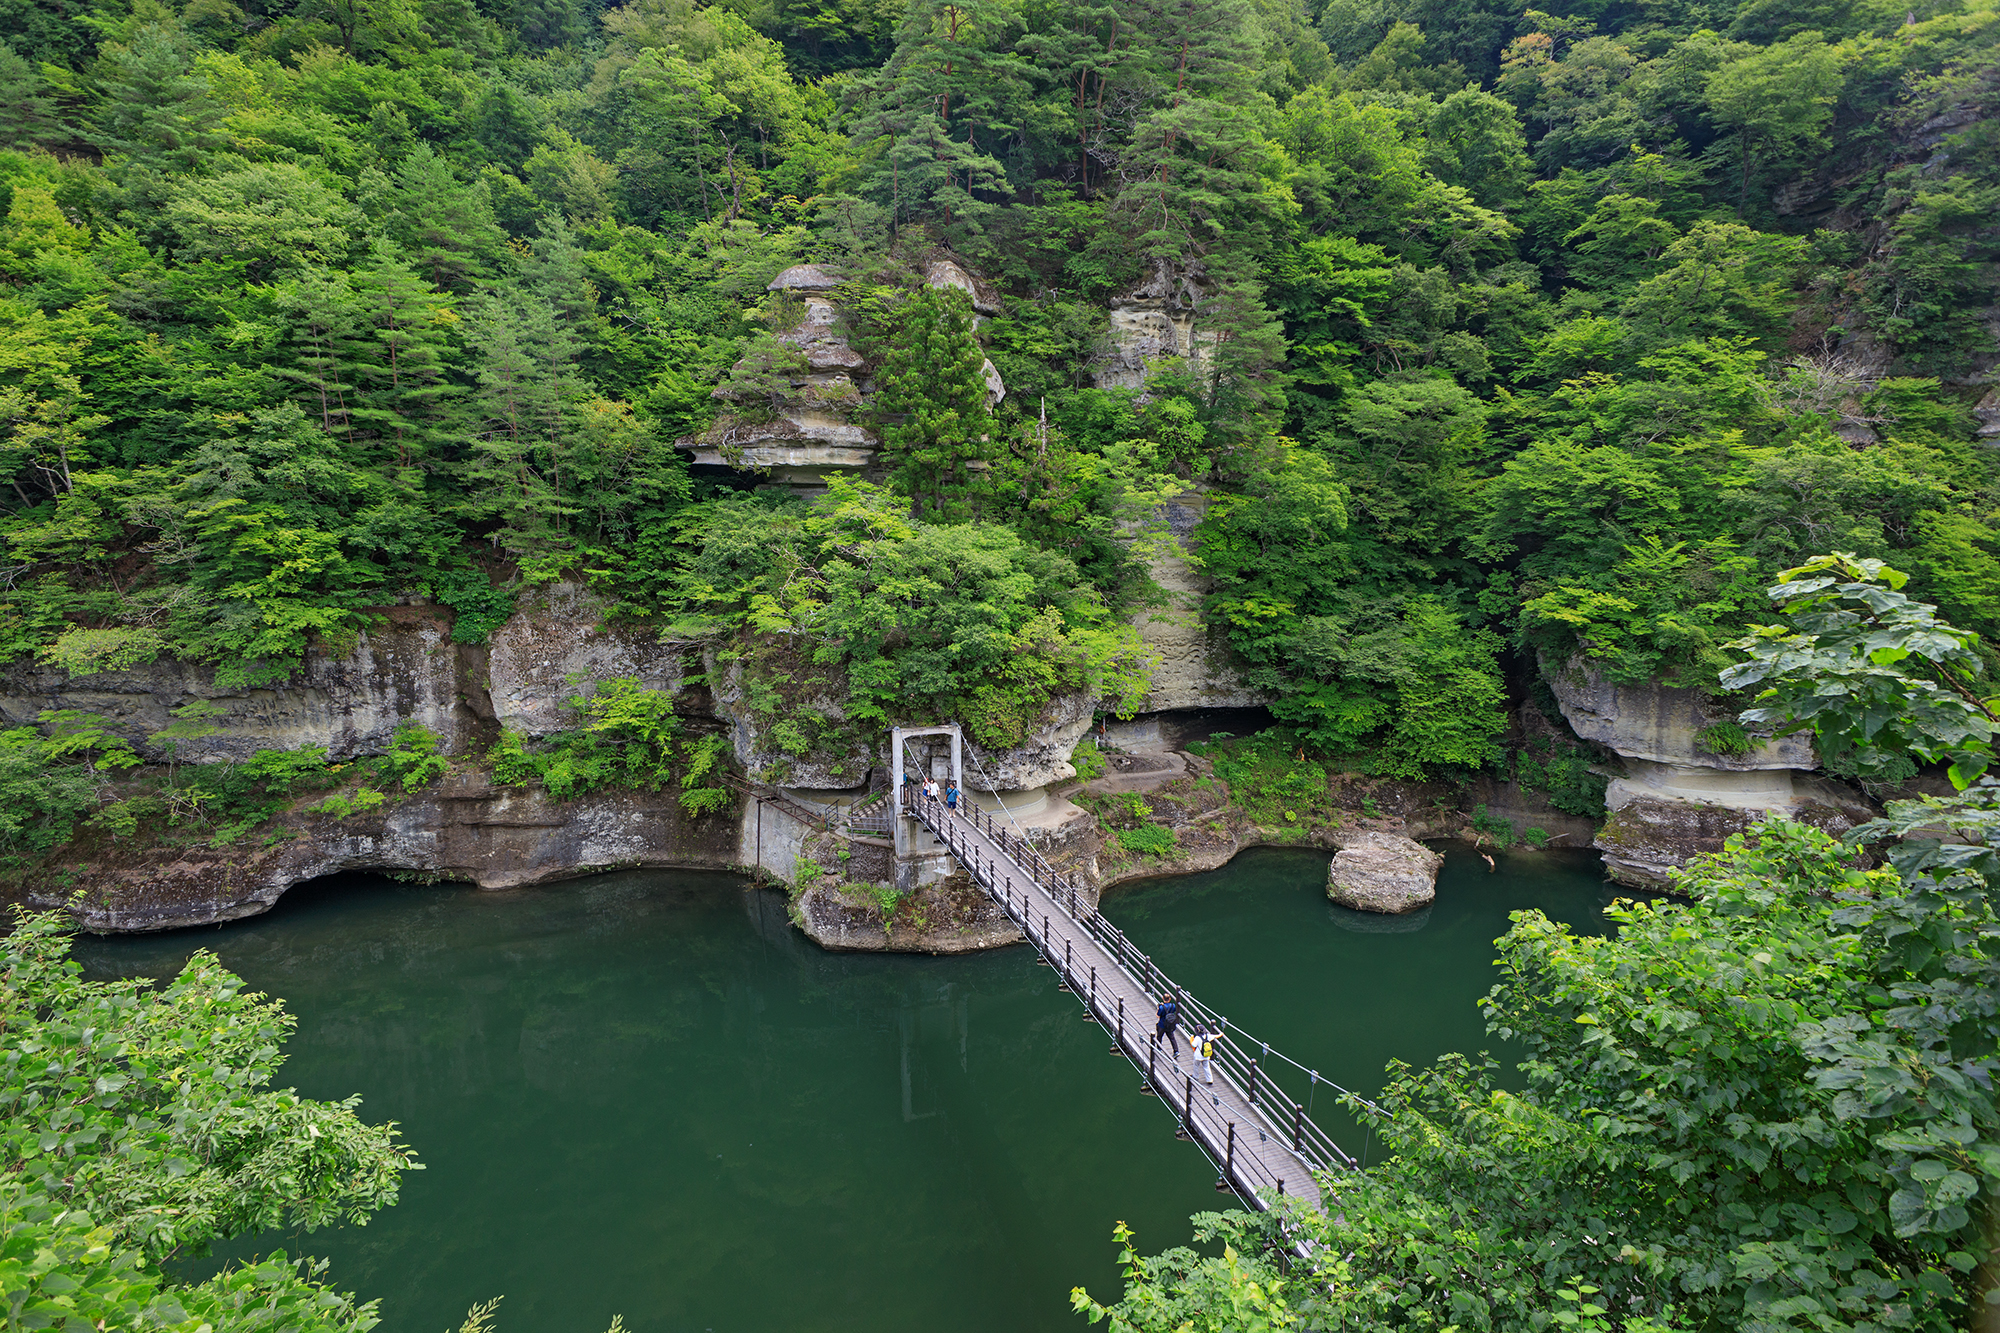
[(27, 116), (445, 226), (930, 399), (525, 385), (948, 98), (326, 322), (156, 113), (1198, 161), (1082, 53), (405, 332)]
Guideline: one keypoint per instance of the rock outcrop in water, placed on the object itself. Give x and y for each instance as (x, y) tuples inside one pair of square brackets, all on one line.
[(1383, 872), (465, 829)]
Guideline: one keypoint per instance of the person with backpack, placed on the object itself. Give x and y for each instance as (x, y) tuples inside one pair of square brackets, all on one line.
[(1168, 1025), (1204, 1055)]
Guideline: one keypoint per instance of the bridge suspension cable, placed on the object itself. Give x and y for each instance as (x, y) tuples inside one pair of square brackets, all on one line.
[(1261, 1137)]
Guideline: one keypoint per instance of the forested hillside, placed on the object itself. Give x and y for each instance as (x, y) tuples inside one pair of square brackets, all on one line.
[(1513, 332), (1513, 338)]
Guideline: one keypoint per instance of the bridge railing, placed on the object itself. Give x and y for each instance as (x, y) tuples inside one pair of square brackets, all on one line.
[(1267, 1076), (1228, 1142)]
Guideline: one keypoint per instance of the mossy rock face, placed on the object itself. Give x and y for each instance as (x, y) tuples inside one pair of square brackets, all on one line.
[(1647, 837), (950, 916), (1662, 723), (462, 829)]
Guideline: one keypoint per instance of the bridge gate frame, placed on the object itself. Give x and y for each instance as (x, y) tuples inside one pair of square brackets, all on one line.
[(904, 824)]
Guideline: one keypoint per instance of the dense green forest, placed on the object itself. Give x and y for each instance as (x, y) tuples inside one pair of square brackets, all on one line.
[(1516, 336), (1514, 333)]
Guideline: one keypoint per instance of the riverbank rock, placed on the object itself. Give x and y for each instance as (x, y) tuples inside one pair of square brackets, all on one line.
[(1646, 838), (1678, 796), (1383, 872), (950, 916), (1661, 723), (464, 829)]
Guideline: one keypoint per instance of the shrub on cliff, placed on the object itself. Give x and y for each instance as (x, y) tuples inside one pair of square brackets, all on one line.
[(627, 736), (48, 781), (925, 620)]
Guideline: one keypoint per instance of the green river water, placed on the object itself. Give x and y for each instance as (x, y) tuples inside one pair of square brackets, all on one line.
[(646, 1094)]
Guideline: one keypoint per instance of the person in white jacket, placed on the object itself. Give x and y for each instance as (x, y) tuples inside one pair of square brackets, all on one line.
[(1204, 1054)]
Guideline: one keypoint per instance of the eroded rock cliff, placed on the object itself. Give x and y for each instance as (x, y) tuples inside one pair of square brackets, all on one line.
[(555, 649), (1194, 668), (405, 670), (1690, 780), (464, 829), (802, 419)]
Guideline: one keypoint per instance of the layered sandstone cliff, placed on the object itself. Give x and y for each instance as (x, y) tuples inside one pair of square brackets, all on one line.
[(553, 652), (1680, 794), (804, 420)]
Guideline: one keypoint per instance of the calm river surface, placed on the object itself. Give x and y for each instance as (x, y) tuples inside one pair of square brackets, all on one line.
[(646, 1094)]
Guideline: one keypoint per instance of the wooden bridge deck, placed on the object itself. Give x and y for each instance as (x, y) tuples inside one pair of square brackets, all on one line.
[(1258, 1136)]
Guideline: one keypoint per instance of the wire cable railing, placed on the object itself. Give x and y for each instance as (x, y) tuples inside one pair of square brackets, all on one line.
[(1265, 1078)]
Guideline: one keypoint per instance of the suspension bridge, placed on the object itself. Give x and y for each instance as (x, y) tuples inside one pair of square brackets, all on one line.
[(1250, 1120)]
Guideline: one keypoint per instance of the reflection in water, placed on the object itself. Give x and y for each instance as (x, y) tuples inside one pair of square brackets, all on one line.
[(628, 1102), (1378, 923)]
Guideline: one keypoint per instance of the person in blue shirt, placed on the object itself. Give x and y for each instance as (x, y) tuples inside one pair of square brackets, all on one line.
[(951, 798), (1169, 1024)]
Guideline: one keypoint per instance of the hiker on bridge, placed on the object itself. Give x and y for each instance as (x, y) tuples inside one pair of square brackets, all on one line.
[(951, 797), (1203, 1043), (1169, 1024)]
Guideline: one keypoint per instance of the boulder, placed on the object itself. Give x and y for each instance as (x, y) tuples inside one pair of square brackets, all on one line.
[(949, 273), (1383, 872), (805, 278), (1987, 416)]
